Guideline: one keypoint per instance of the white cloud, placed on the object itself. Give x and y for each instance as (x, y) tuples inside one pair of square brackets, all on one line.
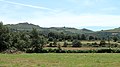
[(62, 18), (87, 3), (109, 8), (70, 20), (90, 3), (26, 5)]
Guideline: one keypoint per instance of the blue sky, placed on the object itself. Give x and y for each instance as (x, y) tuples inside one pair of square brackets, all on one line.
[(92, 14)]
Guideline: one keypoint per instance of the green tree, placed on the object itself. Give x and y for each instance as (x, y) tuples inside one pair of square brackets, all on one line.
[(115, 38), (50, 39), (65, 44), (15, 38), (76, 43), (102, 43), (83, 37), (4, 37), (24, 41), (91, 38), (50, 44), (55, 42), (37, 41), (51, 34), (59, 47)]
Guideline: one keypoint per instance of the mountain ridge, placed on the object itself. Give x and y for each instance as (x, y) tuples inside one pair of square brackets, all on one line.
[(66, 30), (29, 26)]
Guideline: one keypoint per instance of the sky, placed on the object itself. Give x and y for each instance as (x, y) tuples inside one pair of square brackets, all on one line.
[(91, 14)]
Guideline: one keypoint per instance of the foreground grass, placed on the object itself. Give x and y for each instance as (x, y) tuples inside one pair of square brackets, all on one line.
[(60, 60)]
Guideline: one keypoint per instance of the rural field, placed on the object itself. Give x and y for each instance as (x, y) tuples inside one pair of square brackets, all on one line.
[(60, 60)]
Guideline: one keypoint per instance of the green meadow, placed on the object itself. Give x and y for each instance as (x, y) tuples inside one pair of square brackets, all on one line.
[(60, 60)]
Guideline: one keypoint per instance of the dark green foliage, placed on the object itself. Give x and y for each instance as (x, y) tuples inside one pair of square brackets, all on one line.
[(78, 51), (50, 39), (91, 38), (76, 43), (65, 30), (55, 42), (65, 44), (60, 39), (106, 51), (95, 44), (83, 37), (115, 38), (33, 40), (21, 45), (51, 44), (65, 33), (102, 43), (4, 37), (23, 26), (20, 41), (37, 41), (51, 34), (96, 38), (59, 47)]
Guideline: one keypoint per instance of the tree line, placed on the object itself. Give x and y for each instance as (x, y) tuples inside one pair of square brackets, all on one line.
[(35, 41)]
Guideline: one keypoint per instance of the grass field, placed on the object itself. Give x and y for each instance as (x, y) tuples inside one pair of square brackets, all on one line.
[(60, 60)]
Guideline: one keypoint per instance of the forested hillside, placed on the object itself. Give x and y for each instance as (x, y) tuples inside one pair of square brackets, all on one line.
[(33, 38), (29, 27), (116, 30)]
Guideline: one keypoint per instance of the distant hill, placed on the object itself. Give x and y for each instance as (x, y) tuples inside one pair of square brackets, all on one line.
[(23, 26), (67, 30), (113, 30), (106, 33)]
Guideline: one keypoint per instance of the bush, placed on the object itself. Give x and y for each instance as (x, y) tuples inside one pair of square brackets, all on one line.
[(107, 50), (118, 41), (55, 43), (95, 44), (50, 39), (65, 44), (76, 43), (114, 45), (50, 45), (59, 47), (102, 43)]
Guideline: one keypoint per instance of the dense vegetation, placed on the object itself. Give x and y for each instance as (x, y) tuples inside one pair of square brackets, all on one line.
[(29, 38)]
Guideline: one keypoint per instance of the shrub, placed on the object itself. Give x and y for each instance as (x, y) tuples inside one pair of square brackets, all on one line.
[(102, 43), (59, 47), (50, 45), (65, 44), (55, 43), (95, 44), (77, 51), (105, 51), (76, 43), (50, 39)]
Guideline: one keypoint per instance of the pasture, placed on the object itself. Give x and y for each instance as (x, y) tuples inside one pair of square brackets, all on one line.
[(60, 60)]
